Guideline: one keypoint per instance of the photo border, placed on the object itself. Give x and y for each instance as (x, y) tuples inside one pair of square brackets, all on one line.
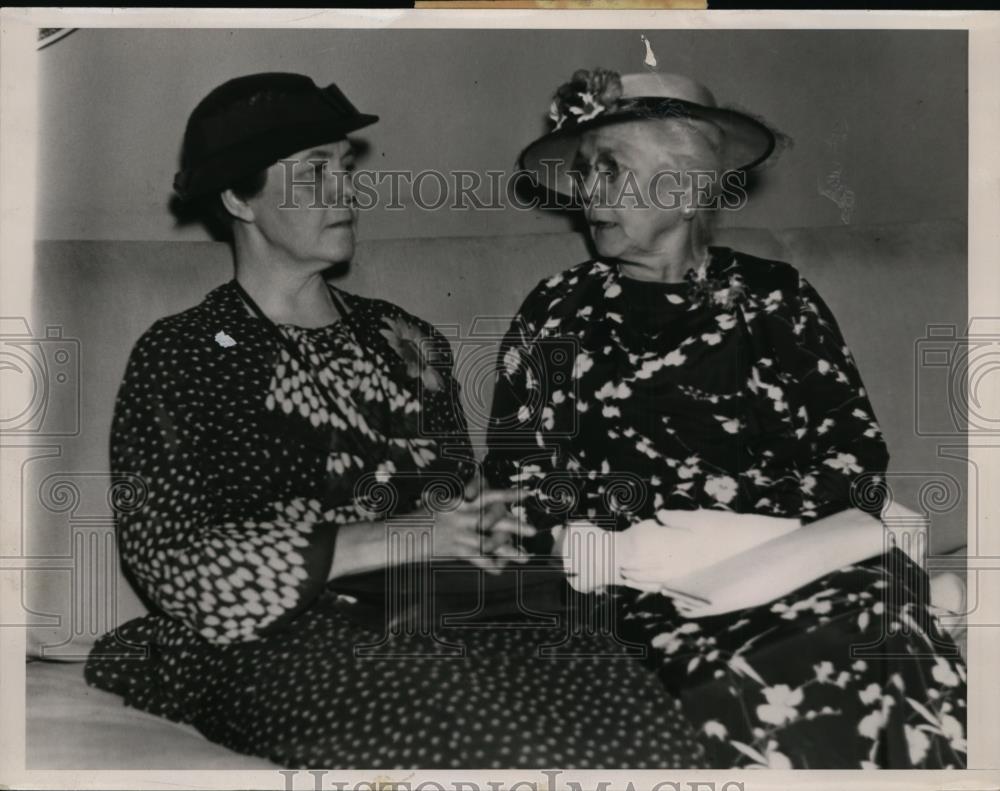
[(18, 148)]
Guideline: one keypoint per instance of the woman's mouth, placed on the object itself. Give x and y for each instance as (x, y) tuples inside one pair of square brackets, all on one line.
[(601, 225)]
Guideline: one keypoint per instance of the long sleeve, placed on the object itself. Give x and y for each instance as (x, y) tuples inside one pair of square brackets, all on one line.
[(520, 454), (230, 578), (847, 455), (509, 436)]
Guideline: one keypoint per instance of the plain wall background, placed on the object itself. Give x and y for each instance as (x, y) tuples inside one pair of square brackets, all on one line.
[(875, 106)]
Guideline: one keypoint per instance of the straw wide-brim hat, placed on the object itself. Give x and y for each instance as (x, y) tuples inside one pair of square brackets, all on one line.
[(600, 98)]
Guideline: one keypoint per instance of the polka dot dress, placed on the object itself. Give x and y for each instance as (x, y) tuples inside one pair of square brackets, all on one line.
[(235, 461)]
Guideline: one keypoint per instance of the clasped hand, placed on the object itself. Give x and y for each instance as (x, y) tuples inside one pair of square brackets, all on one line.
[(481, 529)]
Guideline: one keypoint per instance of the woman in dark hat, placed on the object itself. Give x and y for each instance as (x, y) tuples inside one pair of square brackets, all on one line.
[(725, 464), (286, 438)]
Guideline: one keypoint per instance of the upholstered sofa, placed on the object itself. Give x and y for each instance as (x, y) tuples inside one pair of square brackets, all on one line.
[(92, 300)]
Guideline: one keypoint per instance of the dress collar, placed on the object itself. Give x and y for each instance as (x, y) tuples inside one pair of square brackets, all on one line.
[(718, 260), (226, 300), (716, 282)]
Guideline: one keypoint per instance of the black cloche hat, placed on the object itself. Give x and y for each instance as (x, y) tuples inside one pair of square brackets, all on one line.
[(251, 122)]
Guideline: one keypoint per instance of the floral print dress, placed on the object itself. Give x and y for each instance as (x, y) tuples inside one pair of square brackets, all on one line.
[(244, 454), (732, 390)]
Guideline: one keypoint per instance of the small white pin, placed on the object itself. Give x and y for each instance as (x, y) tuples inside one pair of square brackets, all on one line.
[(224, 340)]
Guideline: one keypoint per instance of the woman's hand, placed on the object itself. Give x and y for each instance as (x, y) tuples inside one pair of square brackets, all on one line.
[(589, 554), (480, 530)]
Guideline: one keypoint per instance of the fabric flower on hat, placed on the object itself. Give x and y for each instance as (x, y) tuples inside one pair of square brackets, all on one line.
[(585, 96)]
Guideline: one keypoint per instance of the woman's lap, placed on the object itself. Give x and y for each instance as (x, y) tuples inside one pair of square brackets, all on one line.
[(334, 693), (848, 671)]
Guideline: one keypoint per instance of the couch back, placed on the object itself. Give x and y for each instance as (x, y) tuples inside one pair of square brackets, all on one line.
[(93, 300)]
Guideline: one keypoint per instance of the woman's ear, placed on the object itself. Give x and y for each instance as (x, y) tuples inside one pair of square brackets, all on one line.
[(689, 207), (688, 194), (236, 206), (701, 193)]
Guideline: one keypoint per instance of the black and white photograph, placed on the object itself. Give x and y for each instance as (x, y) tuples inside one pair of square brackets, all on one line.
[(526, 398)]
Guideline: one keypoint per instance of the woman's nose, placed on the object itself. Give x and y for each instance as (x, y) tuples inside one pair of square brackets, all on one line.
[(343, 190)]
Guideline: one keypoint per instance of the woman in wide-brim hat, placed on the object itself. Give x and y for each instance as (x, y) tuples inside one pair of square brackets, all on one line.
[(286, 435), (721, 448)]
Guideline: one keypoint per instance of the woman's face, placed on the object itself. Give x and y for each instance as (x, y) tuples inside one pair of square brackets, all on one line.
[(636, 199), (305, 211)]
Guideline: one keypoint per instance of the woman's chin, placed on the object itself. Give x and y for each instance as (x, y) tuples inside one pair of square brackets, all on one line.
[(340, 251), (605, 246)]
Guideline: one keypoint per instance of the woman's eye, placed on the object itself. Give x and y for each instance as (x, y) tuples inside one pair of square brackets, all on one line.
[(610, 166), (315, 172)]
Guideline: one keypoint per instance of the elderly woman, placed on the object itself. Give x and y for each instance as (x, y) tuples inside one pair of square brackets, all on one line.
[(708, 454), (284, 435)]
